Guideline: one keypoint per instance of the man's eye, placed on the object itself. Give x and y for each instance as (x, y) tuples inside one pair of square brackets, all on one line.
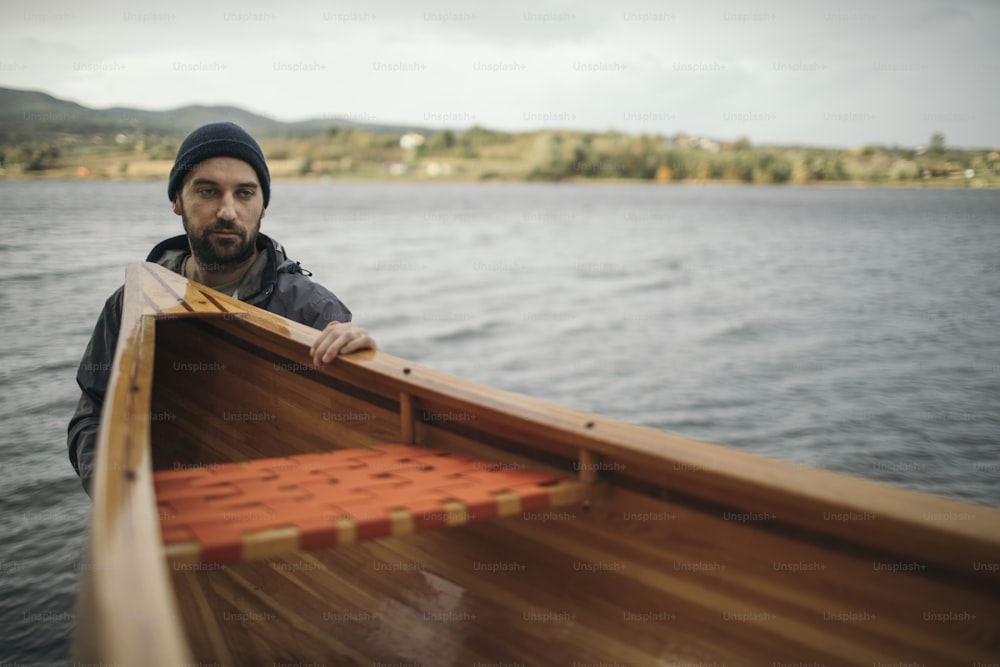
[(246, 194), (206, 192)]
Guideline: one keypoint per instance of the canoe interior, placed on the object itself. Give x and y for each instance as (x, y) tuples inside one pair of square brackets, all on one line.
[(643, 572)]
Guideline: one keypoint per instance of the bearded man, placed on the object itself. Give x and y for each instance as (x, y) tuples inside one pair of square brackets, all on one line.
[(220, 186)]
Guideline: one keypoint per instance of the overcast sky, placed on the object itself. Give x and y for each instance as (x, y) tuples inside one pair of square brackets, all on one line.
[(828, 73)]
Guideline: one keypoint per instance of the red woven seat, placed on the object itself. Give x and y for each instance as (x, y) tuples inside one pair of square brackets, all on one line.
[(214, 513)]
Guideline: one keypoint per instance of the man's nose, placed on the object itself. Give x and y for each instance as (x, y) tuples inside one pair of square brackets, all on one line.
[(227, 208)]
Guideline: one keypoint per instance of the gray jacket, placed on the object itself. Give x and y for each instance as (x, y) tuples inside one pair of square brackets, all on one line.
[(274, 283)]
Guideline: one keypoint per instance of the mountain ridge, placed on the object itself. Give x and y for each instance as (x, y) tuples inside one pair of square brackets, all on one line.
[(34, 115)]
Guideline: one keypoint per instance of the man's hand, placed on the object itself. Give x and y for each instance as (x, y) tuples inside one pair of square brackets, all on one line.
[(339, 338)]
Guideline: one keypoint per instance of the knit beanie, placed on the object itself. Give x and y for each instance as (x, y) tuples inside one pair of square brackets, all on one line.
[(218, 140)]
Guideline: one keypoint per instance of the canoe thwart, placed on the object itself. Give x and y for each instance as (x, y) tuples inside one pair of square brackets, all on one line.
[(229, 512)]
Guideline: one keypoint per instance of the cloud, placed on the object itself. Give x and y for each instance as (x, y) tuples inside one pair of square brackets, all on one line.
[(900, 69)]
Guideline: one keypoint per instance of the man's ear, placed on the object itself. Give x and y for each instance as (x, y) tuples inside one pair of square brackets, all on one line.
[(178, 209)]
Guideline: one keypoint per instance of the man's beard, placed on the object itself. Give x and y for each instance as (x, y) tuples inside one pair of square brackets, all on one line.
[(215, 257)]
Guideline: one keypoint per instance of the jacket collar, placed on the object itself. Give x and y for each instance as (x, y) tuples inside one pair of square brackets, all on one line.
[(259, 281)]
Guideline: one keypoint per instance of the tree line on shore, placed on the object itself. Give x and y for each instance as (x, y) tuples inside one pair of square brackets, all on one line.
[(550, 155)]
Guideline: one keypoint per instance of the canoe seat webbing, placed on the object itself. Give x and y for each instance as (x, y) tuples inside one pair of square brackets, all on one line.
[(223, 513)]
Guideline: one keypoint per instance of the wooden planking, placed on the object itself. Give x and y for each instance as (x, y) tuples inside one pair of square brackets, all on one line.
[(555, 610), (868, 583), (243, 406), (736, 566), (386, 615)]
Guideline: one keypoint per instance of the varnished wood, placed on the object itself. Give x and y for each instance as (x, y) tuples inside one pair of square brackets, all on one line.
[(124, 575), (406, 418), (683, 551), (589, 466)]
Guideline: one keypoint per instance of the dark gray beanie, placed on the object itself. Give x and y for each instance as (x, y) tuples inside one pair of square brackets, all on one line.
[(218, 140)]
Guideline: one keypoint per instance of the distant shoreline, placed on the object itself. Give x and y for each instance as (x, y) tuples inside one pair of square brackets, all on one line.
[(923, 184)]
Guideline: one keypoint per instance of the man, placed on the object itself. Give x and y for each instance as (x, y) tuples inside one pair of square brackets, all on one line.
[(220, 186)]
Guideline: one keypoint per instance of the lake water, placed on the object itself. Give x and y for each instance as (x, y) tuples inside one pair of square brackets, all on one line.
[(851, 329)]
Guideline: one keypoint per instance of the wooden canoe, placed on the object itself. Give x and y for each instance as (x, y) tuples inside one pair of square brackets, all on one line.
[(666, 551)]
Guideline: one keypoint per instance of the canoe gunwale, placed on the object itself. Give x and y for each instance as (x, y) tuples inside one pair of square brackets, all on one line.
[(126, 610)]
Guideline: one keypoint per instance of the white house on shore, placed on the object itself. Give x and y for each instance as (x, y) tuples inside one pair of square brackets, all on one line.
[(411, 141)]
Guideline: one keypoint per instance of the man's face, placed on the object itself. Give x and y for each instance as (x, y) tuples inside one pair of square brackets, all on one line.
[(221, 204)]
